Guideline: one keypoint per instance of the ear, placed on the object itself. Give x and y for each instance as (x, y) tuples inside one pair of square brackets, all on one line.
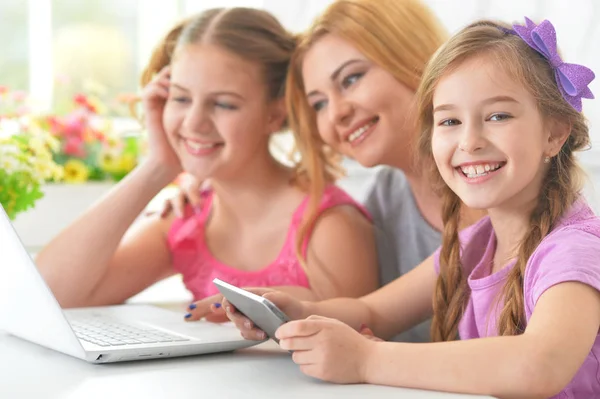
[(559, 133), (277, 115)]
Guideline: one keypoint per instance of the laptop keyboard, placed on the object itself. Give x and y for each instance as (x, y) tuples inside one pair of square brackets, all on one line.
[(104, 331)]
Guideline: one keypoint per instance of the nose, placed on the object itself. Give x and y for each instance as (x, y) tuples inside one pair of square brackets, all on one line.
[(340, 110), (472, 138), (197, 120)]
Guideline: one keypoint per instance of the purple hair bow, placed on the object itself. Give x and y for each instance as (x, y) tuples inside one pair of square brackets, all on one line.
[(572, 79)]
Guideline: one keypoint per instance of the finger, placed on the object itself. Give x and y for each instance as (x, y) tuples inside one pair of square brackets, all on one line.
[(202, 308), (298, 343), (299, 328), (166, 209), (217, 317), (195, 198), (242, 323), (178, 204)]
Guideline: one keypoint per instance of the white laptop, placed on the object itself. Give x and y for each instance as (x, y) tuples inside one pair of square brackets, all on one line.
[(108, 334)]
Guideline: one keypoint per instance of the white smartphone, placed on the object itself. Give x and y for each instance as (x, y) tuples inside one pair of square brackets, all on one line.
[(262, 312)]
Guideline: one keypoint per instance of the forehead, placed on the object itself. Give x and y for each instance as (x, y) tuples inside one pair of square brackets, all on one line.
[(325, 56), (206, 64), (476, 79)]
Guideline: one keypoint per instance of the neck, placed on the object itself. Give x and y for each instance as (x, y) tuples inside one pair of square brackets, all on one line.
[(510, 226), (242, 197), (428, 202)]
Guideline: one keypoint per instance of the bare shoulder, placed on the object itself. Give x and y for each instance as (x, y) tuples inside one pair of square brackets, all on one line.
[(342, 254), (152, 224)]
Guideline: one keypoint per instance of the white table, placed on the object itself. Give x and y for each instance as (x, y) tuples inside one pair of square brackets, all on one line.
[(30, 371)]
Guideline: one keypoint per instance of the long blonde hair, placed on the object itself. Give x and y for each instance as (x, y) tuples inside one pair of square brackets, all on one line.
[(398, 35), (560, 188)]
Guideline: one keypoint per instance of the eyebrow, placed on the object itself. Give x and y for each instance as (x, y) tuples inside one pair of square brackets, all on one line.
[(337, 73), (491, 100), (214, 93)]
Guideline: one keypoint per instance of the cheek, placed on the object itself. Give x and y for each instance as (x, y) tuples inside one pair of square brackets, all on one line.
[(326, 131), (441, 149), (172, 118)]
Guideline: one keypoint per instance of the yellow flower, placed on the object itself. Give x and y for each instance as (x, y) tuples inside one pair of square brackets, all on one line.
[(127, 162), (75, 171)]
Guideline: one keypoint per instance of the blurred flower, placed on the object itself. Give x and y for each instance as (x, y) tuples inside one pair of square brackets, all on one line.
[(76, 171)]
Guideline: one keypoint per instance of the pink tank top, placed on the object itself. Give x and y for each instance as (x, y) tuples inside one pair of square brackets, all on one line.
[(192, 258)]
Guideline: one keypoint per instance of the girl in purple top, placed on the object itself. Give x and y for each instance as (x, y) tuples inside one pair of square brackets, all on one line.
[(501, 120)]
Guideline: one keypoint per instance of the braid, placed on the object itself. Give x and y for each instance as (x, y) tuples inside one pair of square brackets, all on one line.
[(451, 292), (559, 192)]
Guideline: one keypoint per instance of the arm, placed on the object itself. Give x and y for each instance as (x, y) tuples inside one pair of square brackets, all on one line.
[(538, 363), (89, 263), (341, 255), (391, 309)]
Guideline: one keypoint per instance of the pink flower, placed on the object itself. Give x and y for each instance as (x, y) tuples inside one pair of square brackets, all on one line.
[(82, 100), (3, 89), (19, 95), (75, 146)]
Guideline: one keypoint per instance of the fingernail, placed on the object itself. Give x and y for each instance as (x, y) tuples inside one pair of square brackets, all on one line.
[(362, 327), (217, 305), (229, 310), (187, 316), (192, 306), (262, 335), (248, 325)]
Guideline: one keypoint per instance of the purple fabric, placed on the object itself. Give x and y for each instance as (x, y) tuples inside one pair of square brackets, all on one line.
[(571, 252), (572, 79)]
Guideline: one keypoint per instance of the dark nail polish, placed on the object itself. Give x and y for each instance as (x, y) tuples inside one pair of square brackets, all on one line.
[(217, 305), (187, 316), (192, 306)]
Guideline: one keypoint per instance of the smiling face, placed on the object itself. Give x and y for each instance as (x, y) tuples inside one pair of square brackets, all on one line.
[(489, 138), (361, 109), (217, 116)]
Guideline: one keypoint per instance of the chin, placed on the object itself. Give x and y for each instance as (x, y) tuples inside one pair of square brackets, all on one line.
[(369, 159)]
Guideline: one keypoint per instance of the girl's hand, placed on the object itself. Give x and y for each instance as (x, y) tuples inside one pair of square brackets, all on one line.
[(209, 308), (327, 349), (289, 305), (154, 98)]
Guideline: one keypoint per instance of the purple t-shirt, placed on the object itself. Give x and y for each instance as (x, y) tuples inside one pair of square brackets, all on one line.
[(571, 252)]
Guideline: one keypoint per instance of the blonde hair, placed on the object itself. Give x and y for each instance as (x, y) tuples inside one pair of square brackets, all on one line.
[(398, 35), (560, 188)]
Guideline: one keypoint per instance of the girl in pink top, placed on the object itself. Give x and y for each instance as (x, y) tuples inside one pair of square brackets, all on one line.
[(516, 297), (214, 96)]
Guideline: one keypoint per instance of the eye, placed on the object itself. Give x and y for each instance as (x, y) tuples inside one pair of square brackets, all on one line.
[(449, 122), (319, 105), (499, 117), (226, 106), (180, 99), (351, 79)]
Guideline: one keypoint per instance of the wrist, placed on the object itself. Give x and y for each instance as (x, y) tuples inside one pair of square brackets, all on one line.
[(370, 361), (307, 308), (158, 174)]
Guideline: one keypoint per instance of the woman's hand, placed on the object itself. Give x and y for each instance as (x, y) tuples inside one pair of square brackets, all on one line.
[(327, 349), (154, 98), (190, 192)]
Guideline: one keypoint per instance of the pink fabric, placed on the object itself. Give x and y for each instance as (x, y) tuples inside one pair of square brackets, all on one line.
[(192, 258)]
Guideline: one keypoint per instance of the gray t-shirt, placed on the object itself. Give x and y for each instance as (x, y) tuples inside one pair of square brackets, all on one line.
[(404, 237)]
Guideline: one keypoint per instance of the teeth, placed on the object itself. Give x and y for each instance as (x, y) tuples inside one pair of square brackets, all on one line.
[(473, 171), (199, 146), (359, 132)]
